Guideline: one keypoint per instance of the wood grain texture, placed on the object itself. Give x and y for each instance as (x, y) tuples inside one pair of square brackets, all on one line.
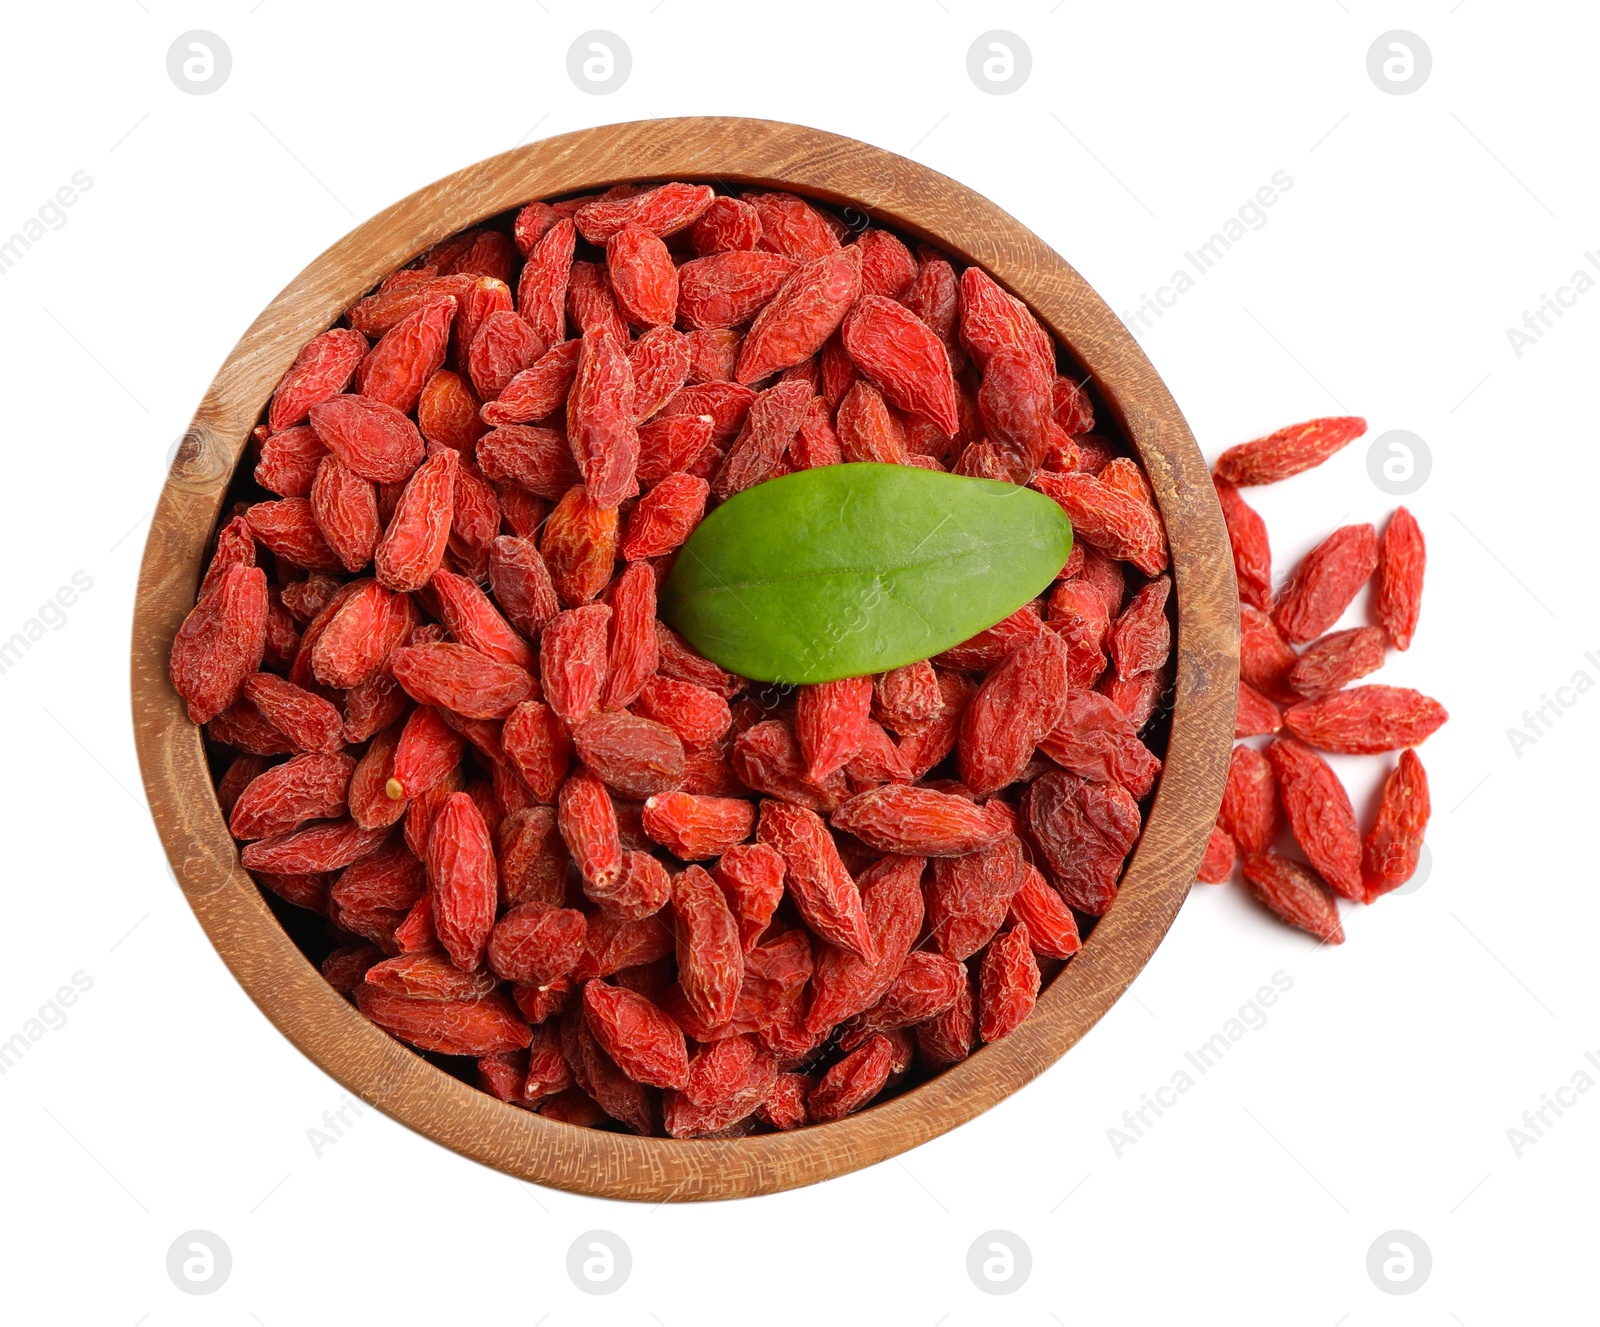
[(290, 991)]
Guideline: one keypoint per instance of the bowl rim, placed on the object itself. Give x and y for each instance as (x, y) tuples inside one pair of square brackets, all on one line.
[(875, 184)]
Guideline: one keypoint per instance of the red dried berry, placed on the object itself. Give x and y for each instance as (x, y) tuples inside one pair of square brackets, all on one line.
[(1294, 894), (822, 889), (1394, 843), (1319, 814), (1008, 984), (1217, 863), (809, 305), (1288, 451), (1325, 582), (220, 643), (1364, 721), (919, 822), (1250, 801), (1333, 662), (1252, 554), (1402, 558)]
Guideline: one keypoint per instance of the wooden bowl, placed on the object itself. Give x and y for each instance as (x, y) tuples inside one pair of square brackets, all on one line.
[(292, 993)]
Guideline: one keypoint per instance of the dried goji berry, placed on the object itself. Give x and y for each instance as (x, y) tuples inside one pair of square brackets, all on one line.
[(462, 880), (1256, 715), (933, 295), (587, 820), (727, 224), (521, 583), (1140, 640), (1096, 739), (887, 267), (542, 286), (904, 358), (643, 279), (503, 345), (325, 846), (1265, 658), (375, 440), (710, 958), (751, 877), (1015, 402), (413, 544), (537, 459), (663, 517), (1365, 721), (1334, 661), (535, 943), (646, 1044), (579, 546), (591, 307), (1294, 894), (845, 983), (1217, 863), (968, 896), (1121, 526), (473, 620), (309, 787), (288, 462), (1252, 554), (795, 322), (1394, 843), (635, 756), (659, 360), (572, 661), (536, 392), (220, 643), (1402, 558), (769, 428), (867, 430), (949, 1037), (289, 529), (1325, 582), (917, 821), (991, 319), (322, 369), (1017, 706), (1084, 830), (460, 679), (696, 828), (309, 721), (345, 508), (790, 225), (1288, 451), (822, 889), (408, 354), (1319, 814), (447, 413), (600, 420), (1008, 983), (852, 1082), (1052, 929), (663, 211), (1250, 801), (449, 1027)]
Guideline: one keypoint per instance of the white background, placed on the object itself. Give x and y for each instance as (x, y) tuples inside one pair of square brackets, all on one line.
[(1379, 1093)]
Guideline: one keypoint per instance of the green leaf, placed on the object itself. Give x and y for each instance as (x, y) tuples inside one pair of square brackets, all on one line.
[(846, 570)]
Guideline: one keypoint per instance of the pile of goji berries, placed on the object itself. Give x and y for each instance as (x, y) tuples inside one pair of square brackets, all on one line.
[(1309, 695), (544, 833)]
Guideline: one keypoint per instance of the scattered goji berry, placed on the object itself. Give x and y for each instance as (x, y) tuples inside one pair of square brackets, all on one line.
[(1394, 843), (1367, 720), (1402, 557), (1288, 451)]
